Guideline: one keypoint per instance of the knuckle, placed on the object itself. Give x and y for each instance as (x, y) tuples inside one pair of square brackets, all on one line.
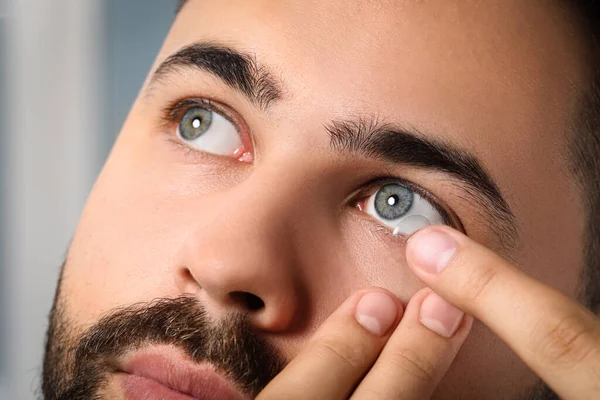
[(478, 283), (564, 342), (414, 364), (344, 353)]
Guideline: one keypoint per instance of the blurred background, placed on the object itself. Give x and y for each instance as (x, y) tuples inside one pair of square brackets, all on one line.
[(69, 71)]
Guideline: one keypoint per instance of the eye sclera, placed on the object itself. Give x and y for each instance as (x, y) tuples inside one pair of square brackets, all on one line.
[(415, 221), (174, 112)]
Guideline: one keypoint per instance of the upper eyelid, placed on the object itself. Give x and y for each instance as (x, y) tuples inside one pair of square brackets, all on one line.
[(172, 111), (175, 110)]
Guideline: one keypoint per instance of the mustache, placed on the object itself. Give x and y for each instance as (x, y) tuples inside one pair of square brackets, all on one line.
[(230, 345)]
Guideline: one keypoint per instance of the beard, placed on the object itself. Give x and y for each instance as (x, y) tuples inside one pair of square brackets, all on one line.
[(79, 366)]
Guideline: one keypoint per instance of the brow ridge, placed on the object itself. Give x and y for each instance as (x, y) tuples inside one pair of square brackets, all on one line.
[(372, 139), (237, 69)]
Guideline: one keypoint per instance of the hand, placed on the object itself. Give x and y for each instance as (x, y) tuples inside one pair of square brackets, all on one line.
[(555, 336), (358, 354)]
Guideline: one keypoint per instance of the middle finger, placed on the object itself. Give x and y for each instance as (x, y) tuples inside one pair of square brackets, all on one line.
[(415, 358)]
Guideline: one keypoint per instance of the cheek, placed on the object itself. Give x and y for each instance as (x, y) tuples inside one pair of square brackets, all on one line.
[(127, 238), (137, 219), (553, 247), (484, 367), (378, 258)]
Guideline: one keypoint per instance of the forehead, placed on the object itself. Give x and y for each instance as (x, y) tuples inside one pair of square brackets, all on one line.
[(507, 58), (500, 80)]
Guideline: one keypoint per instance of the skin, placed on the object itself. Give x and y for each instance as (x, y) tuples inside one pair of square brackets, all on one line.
[(501, 81)]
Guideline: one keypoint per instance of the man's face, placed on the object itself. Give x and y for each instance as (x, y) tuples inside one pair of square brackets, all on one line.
[(272, 203)]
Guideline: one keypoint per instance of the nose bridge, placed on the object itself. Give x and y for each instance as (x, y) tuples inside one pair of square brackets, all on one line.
[(260, 208), (242, 255)]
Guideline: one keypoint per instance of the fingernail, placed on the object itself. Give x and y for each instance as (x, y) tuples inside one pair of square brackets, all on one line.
[(376, 312), (439, 316), (431, 251)]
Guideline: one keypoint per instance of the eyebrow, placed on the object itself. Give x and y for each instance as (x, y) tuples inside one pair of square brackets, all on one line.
[(236, 69), (362, 136), (367, 137)]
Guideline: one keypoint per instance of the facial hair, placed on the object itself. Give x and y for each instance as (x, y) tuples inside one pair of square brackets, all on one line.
[(79, 366)]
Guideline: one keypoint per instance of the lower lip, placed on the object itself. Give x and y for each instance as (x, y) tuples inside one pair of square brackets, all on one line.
[(140, 388)]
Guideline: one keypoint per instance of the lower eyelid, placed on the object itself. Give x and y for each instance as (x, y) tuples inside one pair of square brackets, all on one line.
[(380, 232), (184, 149), (191, 155), (387, 232)]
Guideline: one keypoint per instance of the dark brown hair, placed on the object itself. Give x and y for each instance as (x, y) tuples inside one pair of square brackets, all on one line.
[(585, 147)]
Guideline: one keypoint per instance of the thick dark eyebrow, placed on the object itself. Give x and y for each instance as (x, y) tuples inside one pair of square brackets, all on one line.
[(236, 69), (393, 144)]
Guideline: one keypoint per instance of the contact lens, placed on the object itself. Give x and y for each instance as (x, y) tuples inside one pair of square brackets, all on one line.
[(411, 224)]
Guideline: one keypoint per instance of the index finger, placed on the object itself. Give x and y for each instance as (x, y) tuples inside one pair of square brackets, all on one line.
[(557, 337), (341, 351)]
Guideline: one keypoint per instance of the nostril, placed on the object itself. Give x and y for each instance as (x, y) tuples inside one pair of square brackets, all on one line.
[(254, 302), (247, 300)]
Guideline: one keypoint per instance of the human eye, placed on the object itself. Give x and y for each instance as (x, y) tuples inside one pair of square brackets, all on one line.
[(202, 127), (400, 207)]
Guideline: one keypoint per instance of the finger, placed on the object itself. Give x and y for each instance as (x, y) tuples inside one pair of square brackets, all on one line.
[(415, 358), (342, 350), (558, 338)]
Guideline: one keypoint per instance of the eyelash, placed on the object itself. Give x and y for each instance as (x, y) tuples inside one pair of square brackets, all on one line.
[(175, 110)]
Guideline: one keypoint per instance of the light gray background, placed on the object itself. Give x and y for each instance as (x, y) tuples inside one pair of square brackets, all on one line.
[(69, 70)]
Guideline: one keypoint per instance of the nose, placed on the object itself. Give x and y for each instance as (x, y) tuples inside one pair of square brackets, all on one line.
[(240, 256)]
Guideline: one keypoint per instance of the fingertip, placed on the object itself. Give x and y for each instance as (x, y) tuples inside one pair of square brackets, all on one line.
[(377, 312), (439, 316), (430, 251)]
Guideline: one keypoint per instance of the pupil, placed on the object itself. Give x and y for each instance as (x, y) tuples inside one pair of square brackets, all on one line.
[(195, 123), (392, 200)]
